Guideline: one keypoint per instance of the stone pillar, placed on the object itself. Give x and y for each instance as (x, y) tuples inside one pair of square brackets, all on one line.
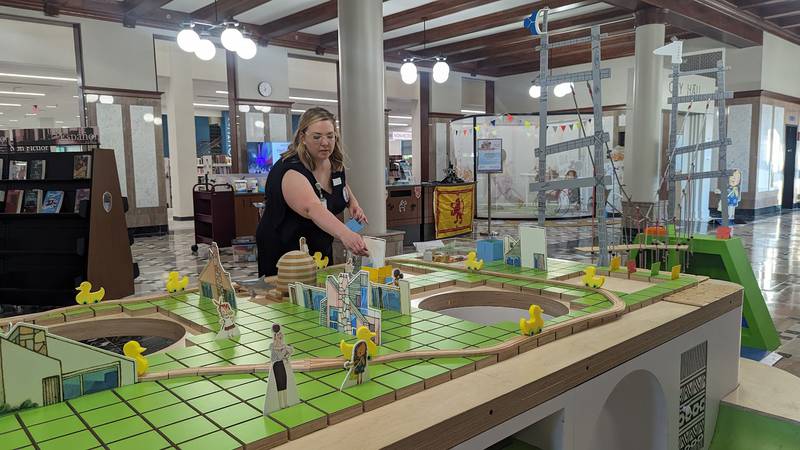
[(182, 146), (362, 100), (643, 143)]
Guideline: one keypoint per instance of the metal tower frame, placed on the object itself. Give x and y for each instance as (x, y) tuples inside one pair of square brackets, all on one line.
[(722, 173), (599, 180)]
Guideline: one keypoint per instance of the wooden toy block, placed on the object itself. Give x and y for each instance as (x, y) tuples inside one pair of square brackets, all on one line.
[(615, 263), (655, 269), (676, 272)]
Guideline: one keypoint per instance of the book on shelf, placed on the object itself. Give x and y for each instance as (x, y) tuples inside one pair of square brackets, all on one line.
[(14, 201), (36, 169), (81, 194), (32, 201), (52, 202), (1, 168), (2, 200), (17, 170), (82, 167)]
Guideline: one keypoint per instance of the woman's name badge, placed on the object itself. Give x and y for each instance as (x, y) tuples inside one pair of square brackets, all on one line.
[(337, 181)]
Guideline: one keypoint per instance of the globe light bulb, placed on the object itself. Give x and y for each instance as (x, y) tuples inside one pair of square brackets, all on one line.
[(231, 38), (188, 39), (562, 89), (106, 99), (441, 72), (92, 98), (205, 50), (157, 121), (408, 72), (148, 117), (244, 108), (247, 49)]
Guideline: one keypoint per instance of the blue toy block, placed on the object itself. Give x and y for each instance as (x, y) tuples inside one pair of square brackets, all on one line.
[(513, 261), (490, 249)]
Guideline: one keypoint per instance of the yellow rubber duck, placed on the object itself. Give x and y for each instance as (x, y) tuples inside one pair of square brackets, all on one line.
[(362, 333), (473, 263), (175, 283), (133, 350), (320, 261), (590, 280), (535, 324), (84, 295)]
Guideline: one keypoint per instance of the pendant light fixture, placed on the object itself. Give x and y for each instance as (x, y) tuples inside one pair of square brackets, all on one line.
[(232, 38), (188, 38), (408, 71)]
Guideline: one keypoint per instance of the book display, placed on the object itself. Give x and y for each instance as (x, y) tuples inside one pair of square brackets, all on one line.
[(56, 231)]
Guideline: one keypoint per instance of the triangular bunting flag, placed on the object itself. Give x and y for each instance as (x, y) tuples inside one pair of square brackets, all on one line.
[(527, 124), (493, 122), (563, 127), (571, 126), (477, 128), (509, 118)]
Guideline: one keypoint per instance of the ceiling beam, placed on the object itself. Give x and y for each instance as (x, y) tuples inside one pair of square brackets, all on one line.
[(787, 20), (428, 11), (225, 9), (749, 4), (533, 56), (496, 19), (779, 10), (510, 57), (299, 20), (570, 58), (564, 29), (527, 45)]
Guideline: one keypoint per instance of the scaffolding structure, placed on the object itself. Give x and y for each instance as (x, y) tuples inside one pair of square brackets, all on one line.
[(722, 173), (599, 180)]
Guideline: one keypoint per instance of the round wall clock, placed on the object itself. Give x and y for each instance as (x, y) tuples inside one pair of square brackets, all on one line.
[(265, 89)]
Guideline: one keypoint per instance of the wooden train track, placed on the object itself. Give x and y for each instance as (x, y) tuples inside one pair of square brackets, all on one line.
[(631, 247), (502, 351)]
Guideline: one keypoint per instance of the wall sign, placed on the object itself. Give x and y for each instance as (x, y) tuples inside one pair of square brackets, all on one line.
[(490, 155)]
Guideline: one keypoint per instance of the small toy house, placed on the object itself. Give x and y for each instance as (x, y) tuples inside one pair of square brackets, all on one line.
[(43, 368), (347, 304), (490, 249)]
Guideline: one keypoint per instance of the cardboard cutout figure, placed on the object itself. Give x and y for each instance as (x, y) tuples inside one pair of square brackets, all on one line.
[(281, 386), (357, 366)]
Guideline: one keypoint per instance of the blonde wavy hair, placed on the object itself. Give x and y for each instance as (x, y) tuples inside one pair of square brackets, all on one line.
[(297, 147)]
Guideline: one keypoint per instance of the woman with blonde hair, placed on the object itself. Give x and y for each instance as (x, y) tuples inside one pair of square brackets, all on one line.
[(305, 190)]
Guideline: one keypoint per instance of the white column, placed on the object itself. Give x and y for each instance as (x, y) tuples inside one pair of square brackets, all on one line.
[(361, 73), (182, 146), (643, 146)]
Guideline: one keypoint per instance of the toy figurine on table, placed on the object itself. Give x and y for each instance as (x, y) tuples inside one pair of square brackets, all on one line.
[(734, 192), (281, 386), (357, 366)]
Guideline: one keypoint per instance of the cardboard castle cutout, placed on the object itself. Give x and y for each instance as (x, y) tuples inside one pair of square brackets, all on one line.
[(281, 385), (347, 304), (38, 368), (215, 284)]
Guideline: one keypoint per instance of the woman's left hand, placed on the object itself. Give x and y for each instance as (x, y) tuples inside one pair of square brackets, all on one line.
[(357, 213)]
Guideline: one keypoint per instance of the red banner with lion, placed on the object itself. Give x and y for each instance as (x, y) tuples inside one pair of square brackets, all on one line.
[(453, 208)]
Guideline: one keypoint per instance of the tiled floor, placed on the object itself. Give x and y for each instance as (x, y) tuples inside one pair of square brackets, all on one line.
[(772, 244)]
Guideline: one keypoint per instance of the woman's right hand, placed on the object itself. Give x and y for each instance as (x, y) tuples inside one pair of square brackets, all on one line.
[(355, 243)]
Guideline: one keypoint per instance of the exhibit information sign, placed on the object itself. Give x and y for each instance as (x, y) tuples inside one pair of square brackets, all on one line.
[(490, 155)]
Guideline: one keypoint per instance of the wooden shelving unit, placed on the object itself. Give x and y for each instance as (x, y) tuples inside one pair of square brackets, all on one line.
[(213, 214), (43, 257)]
